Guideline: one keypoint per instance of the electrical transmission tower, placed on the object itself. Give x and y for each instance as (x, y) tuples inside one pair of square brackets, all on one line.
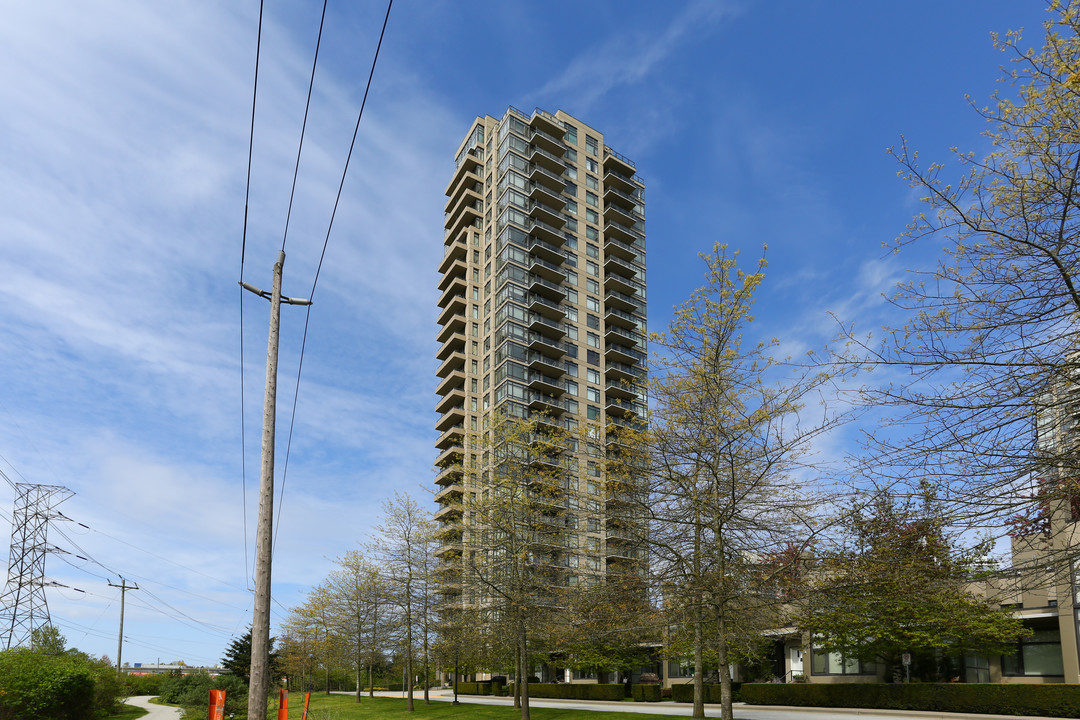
[(22, 604)]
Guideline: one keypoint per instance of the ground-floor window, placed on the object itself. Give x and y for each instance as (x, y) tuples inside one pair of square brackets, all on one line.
[(1039, 654), (833, 663), (976, 669)]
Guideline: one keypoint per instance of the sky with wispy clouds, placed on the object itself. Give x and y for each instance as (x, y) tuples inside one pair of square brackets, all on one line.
[(123, 160)]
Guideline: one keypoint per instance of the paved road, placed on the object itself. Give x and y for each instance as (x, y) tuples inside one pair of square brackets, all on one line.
[(741, 712), (156, 712)]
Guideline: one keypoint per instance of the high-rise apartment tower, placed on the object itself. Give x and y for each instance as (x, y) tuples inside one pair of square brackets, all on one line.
[(541, 314)]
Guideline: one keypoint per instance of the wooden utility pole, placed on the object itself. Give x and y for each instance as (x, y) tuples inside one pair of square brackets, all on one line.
[(258, 690), (124, 587)]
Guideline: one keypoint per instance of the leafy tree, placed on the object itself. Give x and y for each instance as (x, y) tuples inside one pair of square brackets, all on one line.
[(726, 439), (47, 640), (237, 658), (360, 594), (905, 587), (403, 543), (989, 351), (515, 544)]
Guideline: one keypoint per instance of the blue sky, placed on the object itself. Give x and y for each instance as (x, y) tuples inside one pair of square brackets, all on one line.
[(123, 152)]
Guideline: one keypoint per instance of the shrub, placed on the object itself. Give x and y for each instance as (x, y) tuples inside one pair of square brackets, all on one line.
[(35, 685), (1055, 699), (591, 691), (142, 684), (645, 693), (685, 692)]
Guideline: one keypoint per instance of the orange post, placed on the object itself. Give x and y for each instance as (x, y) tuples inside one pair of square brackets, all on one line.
[(307, 699), (217, 705), (283, 705)]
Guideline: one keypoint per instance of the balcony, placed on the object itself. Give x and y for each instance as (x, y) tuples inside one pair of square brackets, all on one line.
[(619, 284), (547, 308), (450, 316), (548, 251), (616, 213), (451, 454), (539, 155), (546, 213), (451, 438), (614, 263), (618, 389), (454, 292), (614, 298), (454, 344), (475, 189), (547, 346), (629, 250), (454, 399), (464, 214), (543, 402), (456, 361), (456, 249), (543, 120), (454, 323), (545, 383), (449, 549), (619, 180), (448, 512), (551, 142), (625, 373), (450, 493), (540, 174), (449, 533), (541, 286), (450, 382), (453, 417), (544, 231), (551, 328), (623, 354), (449, 475), (538, 362), (615, 196), (618, 162), (468, 165), (614, 333), (548, 196), (614, 316), (457, 268), (547, 270), (620, 232)]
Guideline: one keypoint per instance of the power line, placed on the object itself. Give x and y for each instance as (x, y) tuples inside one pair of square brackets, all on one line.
[(243, 252), (303, 127), (322, 257)]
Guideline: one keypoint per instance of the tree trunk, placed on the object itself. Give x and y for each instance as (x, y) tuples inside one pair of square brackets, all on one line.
[(525, 669), (699, 665), (517, 675), (724, 671)]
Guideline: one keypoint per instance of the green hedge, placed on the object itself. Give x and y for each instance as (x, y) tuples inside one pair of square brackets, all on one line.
[(68, 686), (645, 693), (592, 691), (567, 691), (685, 692), (1053, 699)]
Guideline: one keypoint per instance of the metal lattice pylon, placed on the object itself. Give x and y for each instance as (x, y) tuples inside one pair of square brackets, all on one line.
[(22, 605)]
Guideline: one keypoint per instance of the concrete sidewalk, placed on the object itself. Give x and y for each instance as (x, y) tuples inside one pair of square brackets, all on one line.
[(741, 711)]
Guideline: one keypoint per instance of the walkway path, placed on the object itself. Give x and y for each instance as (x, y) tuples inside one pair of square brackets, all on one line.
[(154, 712), (741, 712)]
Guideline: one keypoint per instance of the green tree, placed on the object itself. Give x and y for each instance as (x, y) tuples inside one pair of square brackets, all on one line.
[(47, 640), (904, 586), (728, 436), (237, 658), (989, 350)]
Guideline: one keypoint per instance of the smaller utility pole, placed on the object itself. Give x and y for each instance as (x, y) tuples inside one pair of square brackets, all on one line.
[(124, 587)]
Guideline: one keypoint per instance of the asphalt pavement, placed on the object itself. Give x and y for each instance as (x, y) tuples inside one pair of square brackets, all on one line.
[(154, 712)]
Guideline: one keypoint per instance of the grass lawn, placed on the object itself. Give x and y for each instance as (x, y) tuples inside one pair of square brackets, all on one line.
[(345, 707), (127, 712)]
